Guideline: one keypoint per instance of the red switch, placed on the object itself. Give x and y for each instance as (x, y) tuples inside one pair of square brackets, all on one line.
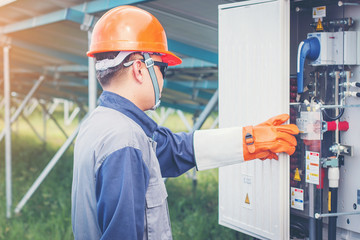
[(342, 126)]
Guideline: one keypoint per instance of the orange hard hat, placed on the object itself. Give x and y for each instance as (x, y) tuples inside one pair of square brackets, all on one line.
[(129, 28)]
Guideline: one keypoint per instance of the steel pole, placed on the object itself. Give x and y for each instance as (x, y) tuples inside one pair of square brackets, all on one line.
[(7, 131), (46, 170), (92, 87), (24, 102), (207, 111)]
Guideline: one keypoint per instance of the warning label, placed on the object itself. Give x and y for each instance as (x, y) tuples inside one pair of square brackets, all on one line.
[(247, 191), (312, 167), (297, 198), (319, 12), (247, 200), (319, 26), (297, 175)]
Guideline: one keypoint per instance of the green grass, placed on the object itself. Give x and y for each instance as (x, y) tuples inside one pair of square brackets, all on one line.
[(193, 212)]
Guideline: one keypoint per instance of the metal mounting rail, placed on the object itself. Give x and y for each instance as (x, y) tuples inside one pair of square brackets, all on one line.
[(322, 215)]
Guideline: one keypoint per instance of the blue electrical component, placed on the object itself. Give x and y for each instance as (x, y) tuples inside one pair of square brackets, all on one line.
[(310, 49)]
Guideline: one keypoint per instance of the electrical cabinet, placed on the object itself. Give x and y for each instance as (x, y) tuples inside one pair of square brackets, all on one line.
[(314, 194)]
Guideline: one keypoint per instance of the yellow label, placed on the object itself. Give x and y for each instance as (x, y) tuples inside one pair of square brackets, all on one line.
[(319, 12), (319, 26), (247, 201), (329, 202), (308, 168), (307, 177), (292, 203), (297, 175)]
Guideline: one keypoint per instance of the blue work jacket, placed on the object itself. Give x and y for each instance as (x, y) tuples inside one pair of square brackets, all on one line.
[(120, 158)]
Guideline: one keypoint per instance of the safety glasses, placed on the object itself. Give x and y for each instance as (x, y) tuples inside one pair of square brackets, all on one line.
[(163, 66)]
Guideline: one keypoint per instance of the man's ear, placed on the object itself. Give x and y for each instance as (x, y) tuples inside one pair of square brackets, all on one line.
[(137, 71)]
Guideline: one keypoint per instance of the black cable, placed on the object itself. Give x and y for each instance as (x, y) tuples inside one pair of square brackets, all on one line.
[(341, 112), (332, 220), (319, 222)]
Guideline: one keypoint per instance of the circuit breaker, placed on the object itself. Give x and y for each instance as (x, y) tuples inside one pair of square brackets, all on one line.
[(303, 59)]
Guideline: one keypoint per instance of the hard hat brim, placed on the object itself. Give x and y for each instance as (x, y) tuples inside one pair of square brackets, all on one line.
[(171, 59), (168, 57)]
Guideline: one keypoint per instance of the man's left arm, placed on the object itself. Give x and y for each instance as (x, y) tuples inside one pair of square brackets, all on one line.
[(207, 149), (174, 151)]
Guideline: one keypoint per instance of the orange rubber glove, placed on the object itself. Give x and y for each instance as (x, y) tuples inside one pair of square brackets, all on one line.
[(268, 138)]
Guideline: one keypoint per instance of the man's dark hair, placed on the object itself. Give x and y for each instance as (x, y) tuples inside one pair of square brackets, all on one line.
[(105, 76)]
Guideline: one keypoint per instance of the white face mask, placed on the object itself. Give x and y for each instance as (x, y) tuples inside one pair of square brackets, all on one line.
[(156, 106)]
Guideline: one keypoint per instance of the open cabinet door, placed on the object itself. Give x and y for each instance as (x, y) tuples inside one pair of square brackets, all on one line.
[(254, 86)]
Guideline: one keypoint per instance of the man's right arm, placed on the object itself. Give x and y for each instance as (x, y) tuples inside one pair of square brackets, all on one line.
[(121, 184)]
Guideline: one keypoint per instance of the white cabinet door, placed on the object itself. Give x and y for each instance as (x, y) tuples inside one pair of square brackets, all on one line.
[(254, 86)]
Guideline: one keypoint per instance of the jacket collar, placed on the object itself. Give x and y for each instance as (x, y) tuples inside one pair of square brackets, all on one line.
[(123, 105)]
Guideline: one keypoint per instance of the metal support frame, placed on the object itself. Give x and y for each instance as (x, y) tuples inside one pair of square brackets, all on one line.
[(193, 92), (54, 120), (184, 120), (46, 171), (206, 112), (193, 63), (153, 115), (165, 115), (198, 84), (44, 120), (52, 108), (49, 52), (195, 52), (32, 127), (7, 130), (191, 108), (68, 119), (23, 104), (215, 123), (2, 102), (80, 14), (30, 108), (324, 215), (92, 87)]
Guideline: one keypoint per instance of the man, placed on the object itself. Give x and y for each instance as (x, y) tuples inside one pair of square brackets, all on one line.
[(121, 154)]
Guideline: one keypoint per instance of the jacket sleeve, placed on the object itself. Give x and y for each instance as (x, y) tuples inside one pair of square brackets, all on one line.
[(121, 183), (174, 151)]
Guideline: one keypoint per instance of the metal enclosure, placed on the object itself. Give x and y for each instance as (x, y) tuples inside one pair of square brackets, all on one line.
[(347, 224), (254, 86)]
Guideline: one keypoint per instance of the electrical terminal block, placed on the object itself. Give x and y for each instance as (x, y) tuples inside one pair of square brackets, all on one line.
[(330, 162), (341, 149)]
